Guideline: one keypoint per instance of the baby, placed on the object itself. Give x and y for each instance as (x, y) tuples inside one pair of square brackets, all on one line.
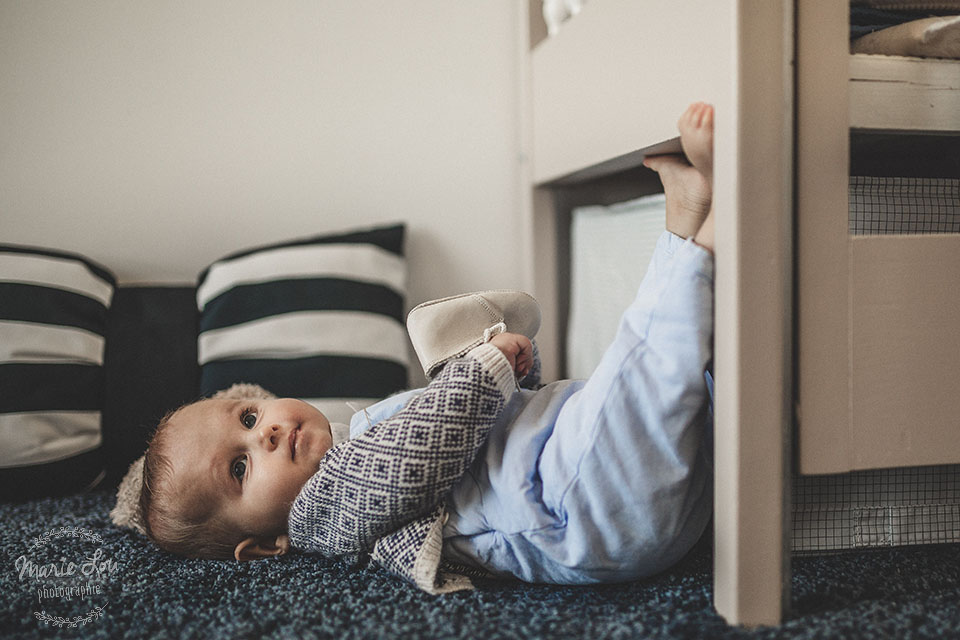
[(602, 480)]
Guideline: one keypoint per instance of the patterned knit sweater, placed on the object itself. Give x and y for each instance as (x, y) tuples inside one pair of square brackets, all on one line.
[(382, 493)]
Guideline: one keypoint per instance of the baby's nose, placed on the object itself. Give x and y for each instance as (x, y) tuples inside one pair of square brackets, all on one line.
[(270, 435)]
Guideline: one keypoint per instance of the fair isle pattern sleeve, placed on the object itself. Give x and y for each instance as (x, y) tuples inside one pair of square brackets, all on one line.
[(400, 469)]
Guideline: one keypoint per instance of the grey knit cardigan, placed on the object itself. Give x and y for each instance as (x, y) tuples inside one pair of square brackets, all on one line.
[(382, 493)]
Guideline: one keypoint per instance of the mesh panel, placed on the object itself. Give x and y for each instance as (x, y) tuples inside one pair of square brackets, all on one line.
[(904, 205), (876, 508)]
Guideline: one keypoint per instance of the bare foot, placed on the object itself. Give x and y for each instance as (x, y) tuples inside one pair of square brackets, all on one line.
[(696, 137), (688, 193)]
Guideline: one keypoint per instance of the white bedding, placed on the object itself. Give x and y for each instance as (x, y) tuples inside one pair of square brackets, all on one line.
[(611, 247)]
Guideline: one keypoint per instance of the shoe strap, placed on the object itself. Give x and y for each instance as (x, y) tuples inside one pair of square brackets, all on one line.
[(495, 330)]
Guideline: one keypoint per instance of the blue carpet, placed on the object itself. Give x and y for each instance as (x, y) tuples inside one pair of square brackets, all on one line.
[(903, 593)]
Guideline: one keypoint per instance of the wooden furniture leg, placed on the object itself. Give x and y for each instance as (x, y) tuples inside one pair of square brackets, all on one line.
[(754, 203)]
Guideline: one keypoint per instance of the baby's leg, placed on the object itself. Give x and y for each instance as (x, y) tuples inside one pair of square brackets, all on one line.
[(626, 467)]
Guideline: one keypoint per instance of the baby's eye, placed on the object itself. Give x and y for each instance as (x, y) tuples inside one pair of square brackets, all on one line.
[(248, 418), (239, 469)]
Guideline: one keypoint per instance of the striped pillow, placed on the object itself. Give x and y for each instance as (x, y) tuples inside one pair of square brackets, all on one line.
[(319, 319), (53, 325)]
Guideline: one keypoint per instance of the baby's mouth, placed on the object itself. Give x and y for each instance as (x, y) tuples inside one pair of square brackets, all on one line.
[(294, 437)]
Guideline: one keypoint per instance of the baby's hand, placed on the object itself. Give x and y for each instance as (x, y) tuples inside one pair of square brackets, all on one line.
[(518, 350)]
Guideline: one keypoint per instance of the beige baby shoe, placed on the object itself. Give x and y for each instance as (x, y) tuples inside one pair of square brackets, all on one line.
[(450, 327)]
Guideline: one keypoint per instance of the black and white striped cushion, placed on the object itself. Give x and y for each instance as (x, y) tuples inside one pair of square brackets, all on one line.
[(53, 323), (319, 319)]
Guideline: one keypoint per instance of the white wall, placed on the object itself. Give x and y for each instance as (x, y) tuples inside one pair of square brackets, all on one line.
[(155, 136)]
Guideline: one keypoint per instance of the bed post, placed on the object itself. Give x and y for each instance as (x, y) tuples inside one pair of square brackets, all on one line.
[(753, 336)]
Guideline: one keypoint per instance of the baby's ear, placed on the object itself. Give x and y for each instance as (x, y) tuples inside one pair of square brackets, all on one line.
[(254, 548)]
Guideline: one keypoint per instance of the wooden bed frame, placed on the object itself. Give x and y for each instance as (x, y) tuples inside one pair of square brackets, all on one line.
[(819, 364)]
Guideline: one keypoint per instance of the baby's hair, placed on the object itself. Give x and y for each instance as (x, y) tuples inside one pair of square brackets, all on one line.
[(167, 523)]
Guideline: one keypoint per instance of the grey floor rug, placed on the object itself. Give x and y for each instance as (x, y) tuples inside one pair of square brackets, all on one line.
[(892, 593)]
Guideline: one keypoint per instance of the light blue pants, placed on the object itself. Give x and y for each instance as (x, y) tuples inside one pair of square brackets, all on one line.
[(607, 479)]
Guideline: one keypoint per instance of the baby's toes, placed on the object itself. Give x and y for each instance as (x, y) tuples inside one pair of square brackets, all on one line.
[(699, 115), (664, 163), (692, 118), (705, 117)]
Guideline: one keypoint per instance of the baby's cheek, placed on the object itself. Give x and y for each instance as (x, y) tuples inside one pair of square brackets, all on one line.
[(294, 485)]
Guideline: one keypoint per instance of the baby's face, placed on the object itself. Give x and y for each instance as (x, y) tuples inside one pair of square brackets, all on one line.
[(246, 460)]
